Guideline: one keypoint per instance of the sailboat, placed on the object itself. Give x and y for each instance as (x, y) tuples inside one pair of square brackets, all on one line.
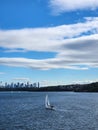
[(47, 104)]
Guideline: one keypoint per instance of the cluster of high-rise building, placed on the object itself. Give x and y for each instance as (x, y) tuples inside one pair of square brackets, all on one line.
[(19, 85)]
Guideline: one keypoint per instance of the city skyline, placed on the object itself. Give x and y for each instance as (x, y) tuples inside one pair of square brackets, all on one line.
[(19, 85), (52, 42)]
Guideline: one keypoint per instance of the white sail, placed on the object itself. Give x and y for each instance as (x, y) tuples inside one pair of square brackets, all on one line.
[(47, 103)]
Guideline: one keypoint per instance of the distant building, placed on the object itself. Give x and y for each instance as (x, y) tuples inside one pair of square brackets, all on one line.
[(34, 85), (38, 85)]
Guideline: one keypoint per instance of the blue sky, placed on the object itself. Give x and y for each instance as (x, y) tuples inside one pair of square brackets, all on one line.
[(50, 41)]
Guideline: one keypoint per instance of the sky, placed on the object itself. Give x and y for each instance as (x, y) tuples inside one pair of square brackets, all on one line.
[(53, 42)]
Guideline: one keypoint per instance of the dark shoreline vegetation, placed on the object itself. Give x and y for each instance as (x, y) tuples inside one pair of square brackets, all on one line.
[(91, 87)]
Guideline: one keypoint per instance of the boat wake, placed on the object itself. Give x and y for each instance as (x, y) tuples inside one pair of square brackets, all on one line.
[(61, 110)]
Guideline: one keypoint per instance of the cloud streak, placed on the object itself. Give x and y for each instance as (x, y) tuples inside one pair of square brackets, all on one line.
[(40, 64), (59, 6), (22, 79), (1, 73)]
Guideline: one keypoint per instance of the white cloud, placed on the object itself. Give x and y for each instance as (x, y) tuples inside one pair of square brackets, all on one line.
[(45, 39), (76, 45), (59, 6), (22, 79), (23, 62)]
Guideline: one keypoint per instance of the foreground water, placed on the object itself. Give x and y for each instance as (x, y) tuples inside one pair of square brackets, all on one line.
[(26, 111)]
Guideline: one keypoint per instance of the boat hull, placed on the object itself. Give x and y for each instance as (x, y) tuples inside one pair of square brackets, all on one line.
[(50, 108)]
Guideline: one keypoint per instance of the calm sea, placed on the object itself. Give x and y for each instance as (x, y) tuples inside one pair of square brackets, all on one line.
[(26, 111)]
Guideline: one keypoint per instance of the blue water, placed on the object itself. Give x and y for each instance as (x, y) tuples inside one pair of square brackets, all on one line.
[(26, 111)]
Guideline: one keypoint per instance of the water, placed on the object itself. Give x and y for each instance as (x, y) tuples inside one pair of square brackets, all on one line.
[(26, 111)]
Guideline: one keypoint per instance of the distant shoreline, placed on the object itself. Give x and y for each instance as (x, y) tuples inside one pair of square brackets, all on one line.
[(92, 87)]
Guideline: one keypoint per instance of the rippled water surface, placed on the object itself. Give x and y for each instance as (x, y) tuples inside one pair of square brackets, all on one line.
[(26, 111)]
